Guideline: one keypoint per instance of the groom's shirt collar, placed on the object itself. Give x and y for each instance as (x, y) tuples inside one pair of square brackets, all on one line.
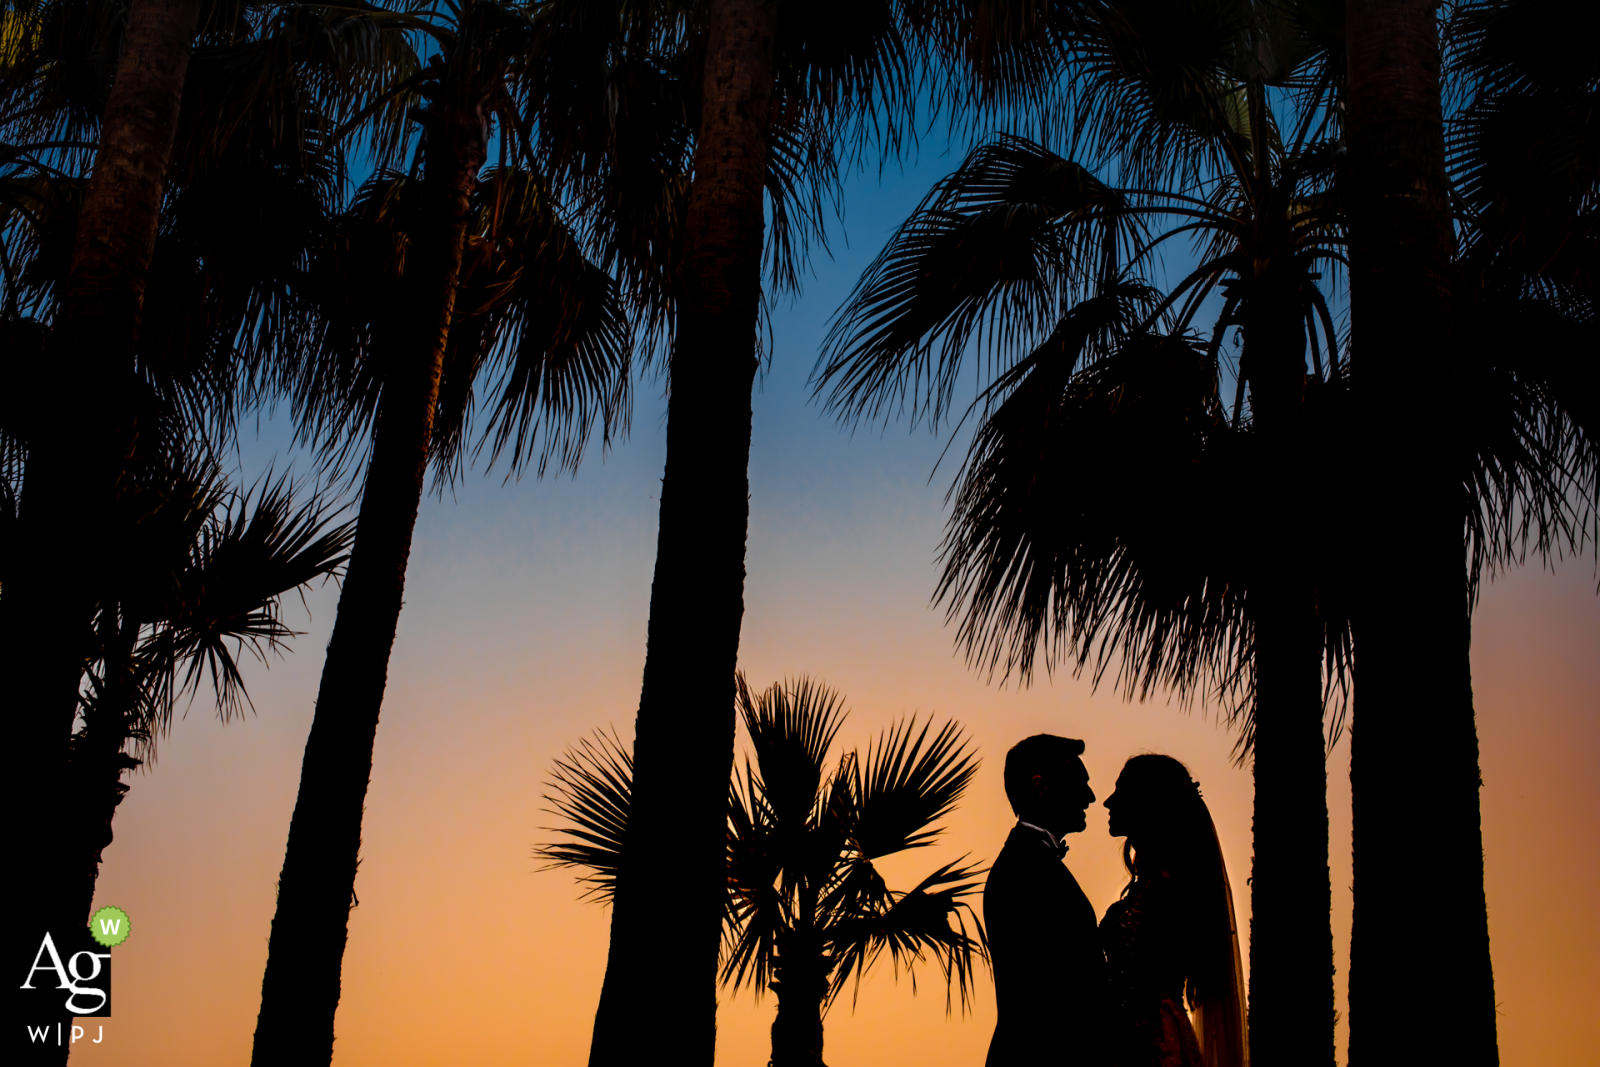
[(1056, 844)]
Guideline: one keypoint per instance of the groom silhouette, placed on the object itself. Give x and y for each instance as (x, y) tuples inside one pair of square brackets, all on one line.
[(1049, 973)]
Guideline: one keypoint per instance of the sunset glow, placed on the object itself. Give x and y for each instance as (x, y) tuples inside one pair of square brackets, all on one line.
[(524, 631)]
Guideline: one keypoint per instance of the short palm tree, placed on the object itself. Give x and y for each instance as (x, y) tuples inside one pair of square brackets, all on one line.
[(199, 574), (807, 910), (190, 575)]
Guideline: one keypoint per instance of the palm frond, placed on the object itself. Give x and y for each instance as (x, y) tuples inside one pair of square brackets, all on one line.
[(542, 327), (791, 727), (1530, 458), (991, 257), (1057, 542), (261, 547), (1158, 89), (758, 910), (907, 783), (931, 919), (1524, 149), (591, 789), (1524, 154)]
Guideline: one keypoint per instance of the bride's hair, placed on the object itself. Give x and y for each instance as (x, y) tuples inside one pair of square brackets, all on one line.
[(1179, 838)]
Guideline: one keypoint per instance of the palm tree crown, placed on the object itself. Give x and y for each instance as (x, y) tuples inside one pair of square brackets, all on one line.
[(808, 911)]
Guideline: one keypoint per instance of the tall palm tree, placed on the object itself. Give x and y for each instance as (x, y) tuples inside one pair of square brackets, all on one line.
[(683, 743), (769, 97), (247, 285), (178, 398), (999, 254), (1514, 308), (256, 170), (1415, 671), (807, 911), (164, 364), (446, 249), (81, 455)]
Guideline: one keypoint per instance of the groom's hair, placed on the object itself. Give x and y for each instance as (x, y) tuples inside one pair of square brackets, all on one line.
[(1041, 755)]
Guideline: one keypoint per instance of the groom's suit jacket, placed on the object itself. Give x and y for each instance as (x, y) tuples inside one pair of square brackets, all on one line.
[(1049, 973)]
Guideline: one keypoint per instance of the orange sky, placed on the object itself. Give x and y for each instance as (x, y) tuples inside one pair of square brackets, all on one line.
[(523, 631), (462, 952)]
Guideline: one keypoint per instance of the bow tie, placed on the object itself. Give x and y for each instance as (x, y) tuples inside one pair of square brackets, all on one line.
[(1055, 844)]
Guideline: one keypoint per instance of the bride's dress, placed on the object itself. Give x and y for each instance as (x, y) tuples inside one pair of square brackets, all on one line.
[(1142, 935)]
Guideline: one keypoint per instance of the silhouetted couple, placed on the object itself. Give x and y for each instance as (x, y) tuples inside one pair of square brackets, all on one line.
[(1073, 993)]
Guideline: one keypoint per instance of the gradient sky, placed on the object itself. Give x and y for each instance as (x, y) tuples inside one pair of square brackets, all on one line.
[(524, 630)]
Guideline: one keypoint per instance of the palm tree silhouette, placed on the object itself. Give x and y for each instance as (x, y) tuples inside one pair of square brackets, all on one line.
[(431, 282), (189, 575), (807, 912), (724, 109), (198, 576), (1472, 236), (1024, 528), (1060, 537), (158, 346), (1414, 671), (540, 330), (82, 457)]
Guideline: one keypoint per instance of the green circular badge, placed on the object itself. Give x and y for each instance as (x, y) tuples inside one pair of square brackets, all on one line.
[(110, 926)]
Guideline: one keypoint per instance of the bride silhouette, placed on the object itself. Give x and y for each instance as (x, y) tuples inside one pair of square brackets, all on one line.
[(1172, 937)]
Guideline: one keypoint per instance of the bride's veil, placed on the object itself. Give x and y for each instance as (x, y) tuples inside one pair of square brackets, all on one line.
[(1217, 1004)]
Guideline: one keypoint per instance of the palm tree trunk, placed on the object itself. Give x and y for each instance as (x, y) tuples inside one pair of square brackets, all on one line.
[(660, 984), (1421, 979), (1291, 933), (800, 984), (72, 472), (1291, 930), (97, 791), (95, 765), (95, 321), (797, 1028), (300, 989)]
